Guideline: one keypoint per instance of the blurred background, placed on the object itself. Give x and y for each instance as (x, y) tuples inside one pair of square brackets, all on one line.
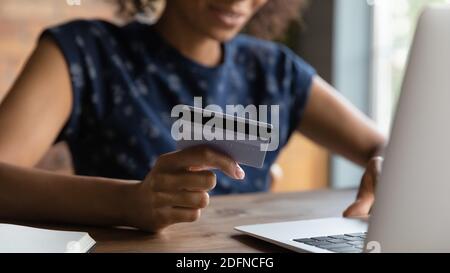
[(360, 46)]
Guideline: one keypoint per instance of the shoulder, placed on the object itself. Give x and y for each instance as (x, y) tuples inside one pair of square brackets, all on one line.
[(97, 29), (97, 35), (84, 28)]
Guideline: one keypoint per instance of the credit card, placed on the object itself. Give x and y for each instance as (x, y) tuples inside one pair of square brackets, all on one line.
[(243, 139)]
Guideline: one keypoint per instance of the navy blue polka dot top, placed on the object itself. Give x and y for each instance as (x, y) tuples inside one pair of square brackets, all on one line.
[(126, 80)]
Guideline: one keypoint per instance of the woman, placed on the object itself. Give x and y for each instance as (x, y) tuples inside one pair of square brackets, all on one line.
[(108, 92)]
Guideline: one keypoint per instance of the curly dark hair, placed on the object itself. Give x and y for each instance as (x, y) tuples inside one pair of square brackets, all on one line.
[(271, 22)]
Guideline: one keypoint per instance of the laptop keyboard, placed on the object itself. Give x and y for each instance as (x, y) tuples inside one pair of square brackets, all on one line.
[(346, 243)]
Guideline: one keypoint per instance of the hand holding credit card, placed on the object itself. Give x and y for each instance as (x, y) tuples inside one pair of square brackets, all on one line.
[(244, 140)]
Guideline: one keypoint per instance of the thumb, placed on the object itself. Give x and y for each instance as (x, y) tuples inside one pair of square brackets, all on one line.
[(361, 207)]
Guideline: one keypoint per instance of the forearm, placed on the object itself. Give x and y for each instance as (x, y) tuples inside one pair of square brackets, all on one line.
[(331, 121), (32, 195), (359, 141)]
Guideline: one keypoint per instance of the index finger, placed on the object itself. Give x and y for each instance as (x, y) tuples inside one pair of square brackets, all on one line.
[(201, 158)]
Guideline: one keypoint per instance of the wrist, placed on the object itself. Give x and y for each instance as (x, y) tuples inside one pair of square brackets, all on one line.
[(128, 204)]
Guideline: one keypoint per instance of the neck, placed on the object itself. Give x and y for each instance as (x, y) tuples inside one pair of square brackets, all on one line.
[(191, 44)]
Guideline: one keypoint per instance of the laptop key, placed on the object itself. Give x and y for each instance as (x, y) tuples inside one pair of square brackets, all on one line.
[(354, 239), (305, 241), (334, 246), (322, 243), (320, 238), (319, 244), (346, 250), (338, 237), (326, 246), (337, 241), (357, 243)]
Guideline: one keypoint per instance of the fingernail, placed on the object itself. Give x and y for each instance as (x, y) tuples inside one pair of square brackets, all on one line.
[(193, 169), (240, 174)]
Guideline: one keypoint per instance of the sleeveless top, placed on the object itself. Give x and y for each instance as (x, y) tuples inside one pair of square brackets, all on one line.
[(126, 79)]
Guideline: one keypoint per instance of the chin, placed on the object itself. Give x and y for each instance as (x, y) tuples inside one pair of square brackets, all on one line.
[(223, 36)]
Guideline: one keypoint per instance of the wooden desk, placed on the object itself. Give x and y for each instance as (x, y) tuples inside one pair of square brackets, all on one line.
[(214, 231)]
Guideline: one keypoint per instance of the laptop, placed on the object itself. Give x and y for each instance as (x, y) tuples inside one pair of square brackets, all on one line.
[(411, 211)]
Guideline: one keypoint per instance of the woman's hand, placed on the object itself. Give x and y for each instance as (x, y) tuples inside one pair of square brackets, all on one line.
[(177, 188), (366, 193)]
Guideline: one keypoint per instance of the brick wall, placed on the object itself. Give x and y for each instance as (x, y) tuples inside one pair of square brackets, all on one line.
[(21, 21)]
